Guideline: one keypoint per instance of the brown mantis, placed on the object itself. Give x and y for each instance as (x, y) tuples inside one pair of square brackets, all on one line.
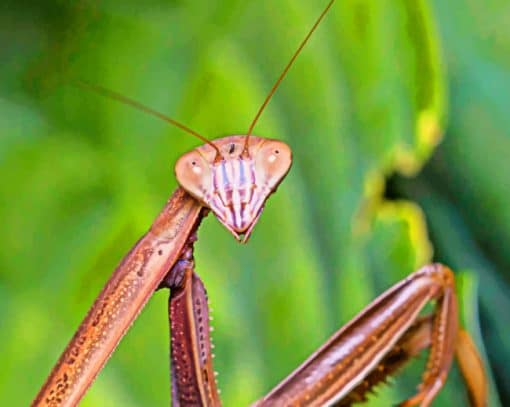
[(233, 177)]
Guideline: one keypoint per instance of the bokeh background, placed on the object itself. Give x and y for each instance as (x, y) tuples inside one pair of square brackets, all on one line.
[(397, 115)]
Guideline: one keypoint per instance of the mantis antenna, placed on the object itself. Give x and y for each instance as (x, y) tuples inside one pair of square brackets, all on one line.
[(137, 105), (282, 75)]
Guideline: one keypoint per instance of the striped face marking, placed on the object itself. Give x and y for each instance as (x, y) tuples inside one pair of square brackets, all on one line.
[(236, 187)]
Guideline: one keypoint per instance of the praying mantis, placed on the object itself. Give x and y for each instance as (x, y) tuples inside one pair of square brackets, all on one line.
[(232, 177)]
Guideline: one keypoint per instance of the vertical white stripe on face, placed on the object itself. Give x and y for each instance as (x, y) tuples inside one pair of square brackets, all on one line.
[(225, 186), (259, 196), (236, 199), (218, 208), (246, 192), (217, 179), (247, 188)]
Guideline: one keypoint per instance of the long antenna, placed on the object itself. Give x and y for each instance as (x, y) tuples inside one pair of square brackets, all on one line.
[(282, 75), (137, 105)]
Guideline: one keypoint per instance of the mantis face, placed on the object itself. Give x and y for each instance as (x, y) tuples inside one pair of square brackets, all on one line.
[(235, 186)]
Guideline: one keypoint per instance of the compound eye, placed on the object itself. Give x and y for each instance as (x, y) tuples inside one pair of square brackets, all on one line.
[(273, 155), (273, 160), (195, 167), (193, 174)]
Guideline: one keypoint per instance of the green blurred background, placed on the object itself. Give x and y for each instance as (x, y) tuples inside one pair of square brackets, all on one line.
[(396, 113)]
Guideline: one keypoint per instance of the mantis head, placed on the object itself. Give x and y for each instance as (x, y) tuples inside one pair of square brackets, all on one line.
[(235, 175), (235, 179)]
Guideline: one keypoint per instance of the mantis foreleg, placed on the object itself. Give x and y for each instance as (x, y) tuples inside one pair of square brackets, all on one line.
[(192, 374), (345, 367), (120, 301)]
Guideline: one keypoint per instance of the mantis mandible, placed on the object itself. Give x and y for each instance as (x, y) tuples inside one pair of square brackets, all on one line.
[(233, 177)]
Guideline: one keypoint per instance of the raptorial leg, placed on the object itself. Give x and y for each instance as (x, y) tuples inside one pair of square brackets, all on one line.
[(192, 374), (378, 341), (447, 339), (193, 380), (417, 338), (444, 337)]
